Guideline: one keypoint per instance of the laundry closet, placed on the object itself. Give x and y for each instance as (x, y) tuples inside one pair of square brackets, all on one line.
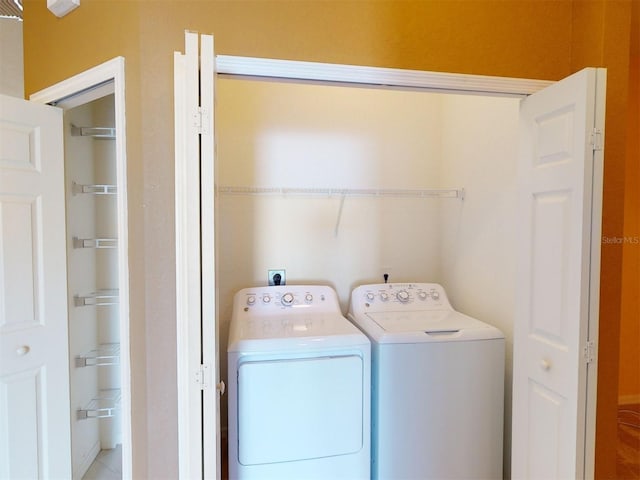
[(339, 185), (340, 175)]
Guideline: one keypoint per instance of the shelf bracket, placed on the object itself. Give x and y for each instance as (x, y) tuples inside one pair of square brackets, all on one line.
[(77, 188), (95, 242), (102, 297), (107, 133)]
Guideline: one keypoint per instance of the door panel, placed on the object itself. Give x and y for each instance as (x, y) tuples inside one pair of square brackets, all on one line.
[(18, 255), (546, 412), (34, 375), (556, 168)]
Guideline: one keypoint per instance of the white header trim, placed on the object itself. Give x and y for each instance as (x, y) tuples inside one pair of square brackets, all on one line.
[(376, 76)]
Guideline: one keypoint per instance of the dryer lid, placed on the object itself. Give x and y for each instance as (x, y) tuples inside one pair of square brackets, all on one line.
[(286, 332)]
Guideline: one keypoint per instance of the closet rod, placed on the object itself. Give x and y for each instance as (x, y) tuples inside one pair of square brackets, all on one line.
[(341, 192)]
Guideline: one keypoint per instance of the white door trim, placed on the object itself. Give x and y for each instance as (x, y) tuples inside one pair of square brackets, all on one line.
[(594, 277), (91, 84), (376, 76), (189, 277)]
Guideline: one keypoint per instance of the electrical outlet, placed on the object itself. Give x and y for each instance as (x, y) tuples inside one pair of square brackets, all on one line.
[(385, 271), (277, 277)]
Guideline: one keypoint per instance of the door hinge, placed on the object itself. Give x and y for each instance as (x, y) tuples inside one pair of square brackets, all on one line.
[(589, 351), (203, 376), (595, 139), (201, 121)]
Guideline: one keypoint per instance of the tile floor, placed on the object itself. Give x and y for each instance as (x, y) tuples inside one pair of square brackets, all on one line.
[(106, 466), (628, 448)]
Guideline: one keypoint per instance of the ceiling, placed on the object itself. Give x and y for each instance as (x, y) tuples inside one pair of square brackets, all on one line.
[(11, 8)]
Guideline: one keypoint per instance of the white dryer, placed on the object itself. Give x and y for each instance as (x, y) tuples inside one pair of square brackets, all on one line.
[(299, 387), (437, 385)]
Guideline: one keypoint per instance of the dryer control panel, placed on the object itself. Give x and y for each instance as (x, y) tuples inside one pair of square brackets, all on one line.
[(386, 297), (278, 300)]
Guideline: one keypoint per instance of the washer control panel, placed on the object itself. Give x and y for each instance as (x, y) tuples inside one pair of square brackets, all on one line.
[(399, 296), (280, 299)]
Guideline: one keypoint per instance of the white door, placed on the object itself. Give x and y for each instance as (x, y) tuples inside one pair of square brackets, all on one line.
[(198, 390), (210, 351), (560, 184), (34, 371)]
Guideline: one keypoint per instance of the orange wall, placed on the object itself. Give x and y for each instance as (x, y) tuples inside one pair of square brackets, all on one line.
[(601, 37), (546, 39), (629, 388)]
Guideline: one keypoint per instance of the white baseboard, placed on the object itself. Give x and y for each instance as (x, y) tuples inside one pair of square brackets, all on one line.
[(80, 470)]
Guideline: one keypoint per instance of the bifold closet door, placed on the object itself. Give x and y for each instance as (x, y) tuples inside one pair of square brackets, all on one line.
[(555, 331), (34, 370)]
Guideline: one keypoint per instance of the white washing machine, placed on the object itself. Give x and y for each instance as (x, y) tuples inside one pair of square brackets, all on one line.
[(299, 387), (437, 385)]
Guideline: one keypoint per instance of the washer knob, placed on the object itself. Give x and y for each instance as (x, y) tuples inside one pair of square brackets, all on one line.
[(371, 297), (403, 296), (308, 298), (287, 299), (251, 300), (422, 295), (435, 295), (384, 297), (266, 299)]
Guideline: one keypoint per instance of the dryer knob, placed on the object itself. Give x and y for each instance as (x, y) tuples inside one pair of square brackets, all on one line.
[(266, 299), (287, 299), (422, 295), (384, 297), (403, 296), (371, 297), (308, 298), (251, 300), (435, 295)]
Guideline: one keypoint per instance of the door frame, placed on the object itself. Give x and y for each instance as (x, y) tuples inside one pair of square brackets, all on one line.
[(103, 79), (265, 69)]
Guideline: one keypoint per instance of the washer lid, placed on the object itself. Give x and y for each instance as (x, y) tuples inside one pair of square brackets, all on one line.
[(425, 326)]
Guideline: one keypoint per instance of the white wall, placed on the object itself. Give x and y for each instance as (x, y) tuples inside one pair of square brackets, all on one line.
[(309, 136), (289, 135), (479, 152), (11, 58)]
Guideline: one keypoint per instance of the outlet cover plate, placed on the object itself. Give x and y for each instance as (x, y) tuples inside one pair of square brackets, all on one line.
[(273, 273)]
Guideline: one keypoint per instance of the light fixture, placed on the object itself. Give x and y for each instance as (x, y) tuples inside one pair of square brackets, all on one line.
[(61, 7), (11, 9)]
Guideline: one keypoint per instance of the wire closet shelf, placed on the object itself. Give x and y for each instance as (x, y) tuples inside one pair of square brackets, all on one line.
[(344, 192)]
